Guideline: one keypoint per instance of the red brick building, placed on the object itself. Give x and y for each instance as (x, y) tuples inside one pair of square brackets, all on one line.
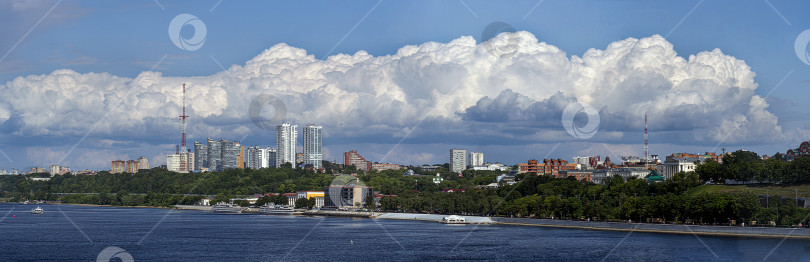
[(548, 167), (353, 158)]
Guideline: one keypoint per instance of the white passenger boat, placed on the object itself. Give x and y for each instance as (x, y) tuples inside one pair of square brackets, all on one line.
[(454, 220), (273, 209), (37, 211), (225, 208)]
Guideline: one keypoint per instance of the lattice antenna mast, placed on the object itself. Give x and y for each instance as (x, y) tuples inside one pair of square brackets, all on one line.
[(183, 119), (646, 145)]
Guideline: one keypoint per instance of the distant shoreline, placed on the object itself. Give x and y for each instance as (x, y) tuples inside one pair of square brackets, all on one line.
[(680, 229)]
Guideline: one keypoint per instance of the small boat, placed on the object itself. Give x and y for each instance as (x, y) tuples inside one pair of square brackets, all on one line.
[(273, 209), (225, 208), (37, 211), (454, 220)]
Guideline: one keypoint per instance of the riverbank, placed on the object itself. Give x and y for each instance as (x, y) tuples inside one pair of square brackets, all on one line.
[(94, 205), (726, 231), (702, 230)]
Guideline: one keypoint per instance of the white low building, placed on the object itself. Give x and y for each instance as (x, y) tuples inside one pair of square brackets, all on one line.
[(491, 167), (600, 175), (675, 165)]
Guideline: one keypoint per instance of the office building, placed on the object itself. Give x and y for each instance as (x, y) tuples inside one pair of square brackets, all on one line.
[(458, 160), (476, 159), (312, 146), (286, 136), (353, 158)]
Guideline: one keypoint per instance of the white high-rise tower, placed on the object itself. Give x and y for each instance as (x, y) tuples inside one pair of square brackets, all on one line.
[(286, 137), (458, 160), (476, 159), (312, 145)]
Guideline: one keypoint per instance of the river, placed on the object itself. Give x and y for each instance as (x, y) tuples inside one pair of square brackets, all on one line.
[(71, 233)]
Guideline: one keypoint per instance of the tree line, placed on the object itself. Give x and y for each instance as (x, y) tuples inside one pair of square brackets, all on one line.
[(532, 196), (748, 166)]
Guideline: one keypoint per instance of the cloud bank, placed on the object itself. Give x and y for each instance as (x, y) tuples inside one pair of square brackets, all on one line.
[(457, 91)]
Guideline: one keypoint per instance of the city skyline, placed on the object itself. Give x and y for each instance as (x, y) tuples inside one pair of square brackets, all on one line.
[(415, 130), (376, 98)]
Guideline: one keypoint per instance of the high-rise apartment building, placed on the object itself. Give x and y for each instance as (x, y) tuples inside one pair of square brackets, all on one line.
[(118, 167), (458, 160), (353, 158), (231, 155), (286, 136), (214, 154), (257, 157), (219, 155), (180, 162), (143, 163), (132, 166), (476, 159), (201, 154), (252, 157), (173, 162), (58, 170), (271, 157), (312, 145), (240, 160)]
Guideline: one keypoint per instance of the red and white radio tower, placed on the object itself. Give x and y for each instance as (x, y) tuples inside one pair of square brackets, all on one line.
[(646, 148), (183, 119)]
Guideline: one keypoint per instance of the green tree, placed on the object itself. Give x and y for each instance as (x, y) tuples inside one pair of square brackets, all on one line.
[(264, 200), (710, 171), (302, 203), (370, 202)]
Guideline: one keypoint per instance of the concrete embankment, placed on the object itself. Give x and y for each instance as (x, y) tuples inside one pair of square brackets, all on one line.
[(733, 231), (339, 213), (191, 207), (434, 218), (773, 232)]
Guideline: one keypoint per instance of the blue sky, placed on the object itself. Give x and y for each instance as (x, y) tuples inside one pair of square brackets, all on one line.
[(127, 38)]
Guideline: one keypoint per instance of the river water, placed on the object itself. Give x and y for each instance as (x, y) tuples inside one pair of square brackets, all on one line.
[(73, 233)]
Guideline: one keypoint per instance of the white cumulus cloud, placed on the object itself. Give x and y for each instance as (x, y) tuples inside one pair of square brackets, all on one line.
[(463, 91)]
